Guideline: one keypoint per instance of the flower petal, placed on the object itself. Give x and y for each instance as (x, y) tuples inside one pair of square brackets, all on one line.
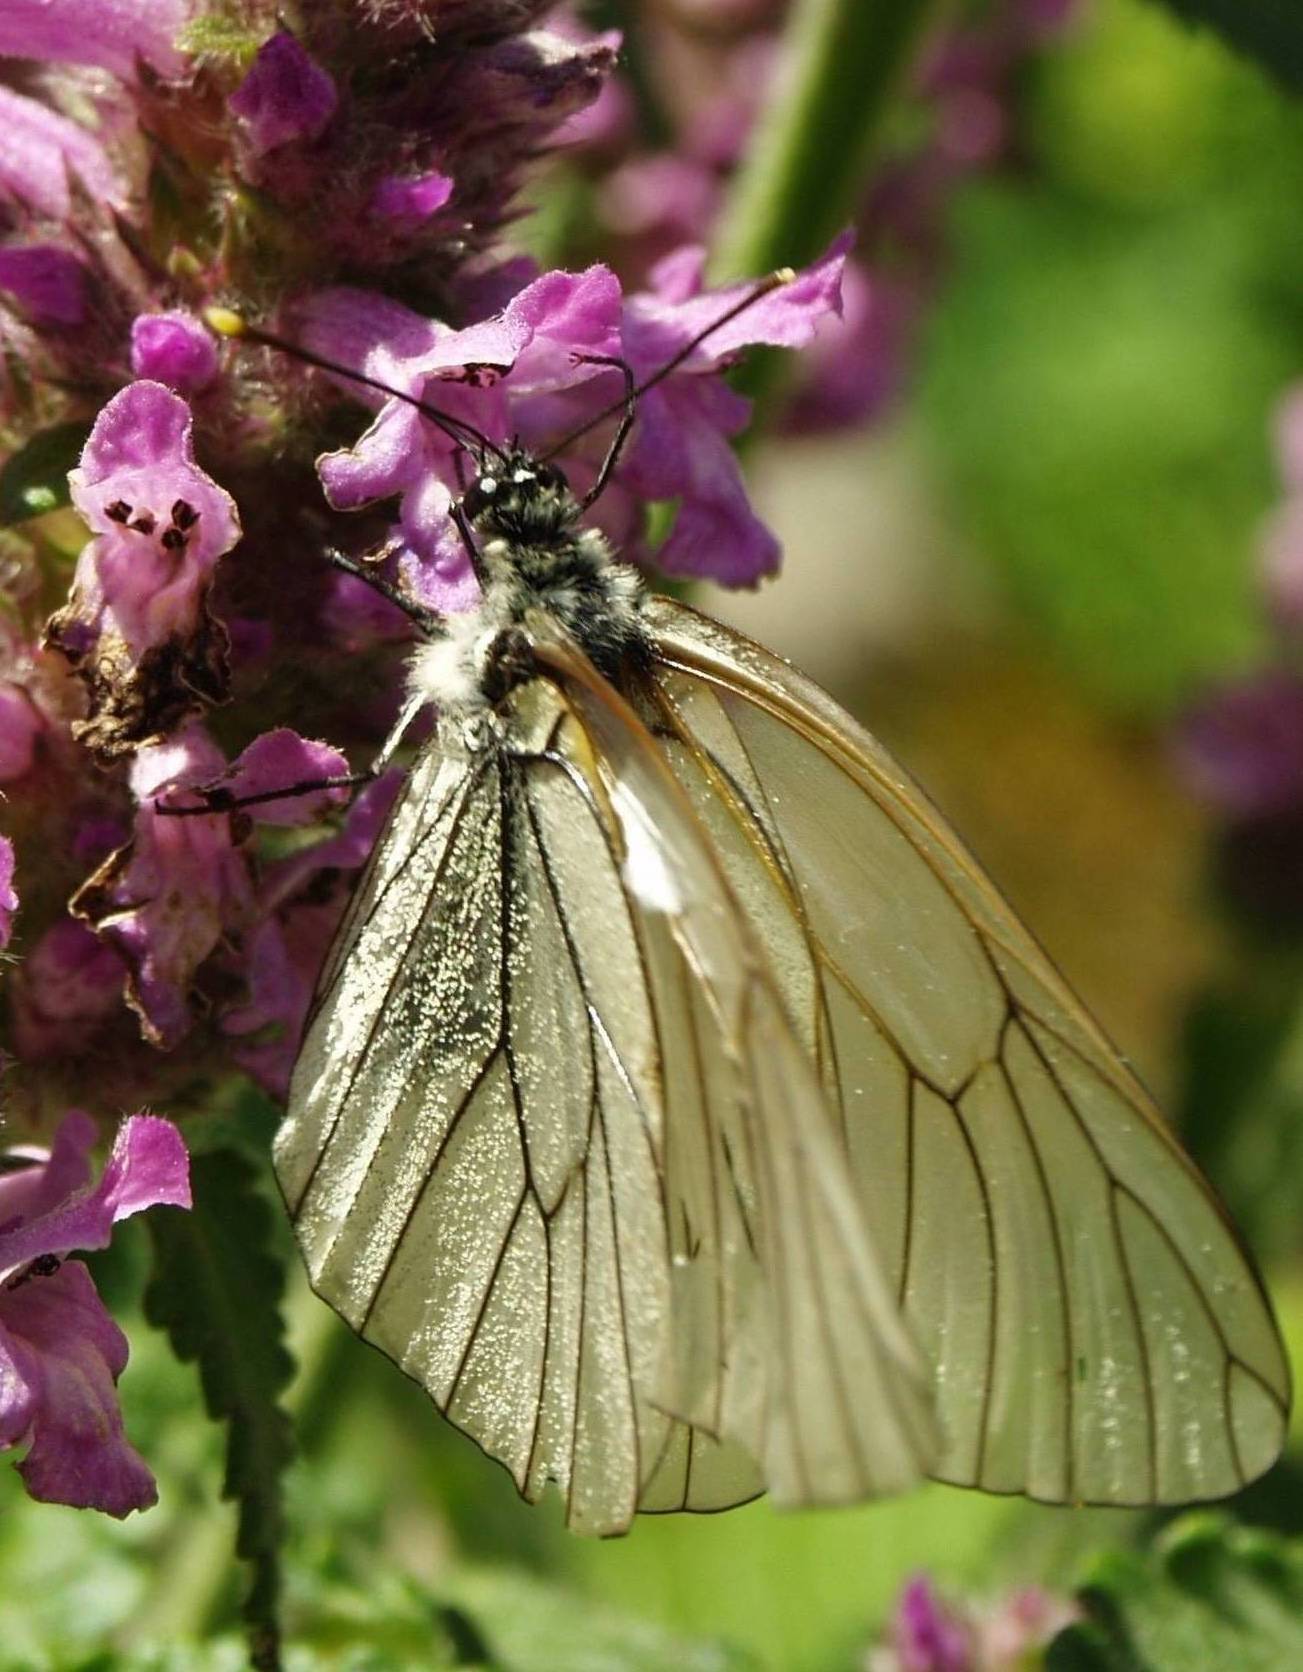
[(8, 893), (285, 96), (42, 153), (113, 34), (173, 348), (47, 281), (148, 1165), (413, 197), (54, 1174), (79, 1454), (280, 759)]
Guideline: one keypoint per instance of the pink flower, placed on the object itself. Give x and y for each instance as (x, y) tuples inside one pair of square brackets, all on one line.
[(163, 901), (463, 373), (114, 34), (8, 894), (181, 886), (286, 95), (47, 281), (43, 154), (680, 447), (137, 627), (60, 1352), (931, 1634), (287, 947), (542, 384), (1243, 747), (415, 197), (173, 348), (927, 1635), (21, 725), (161, 523), (64, 989)]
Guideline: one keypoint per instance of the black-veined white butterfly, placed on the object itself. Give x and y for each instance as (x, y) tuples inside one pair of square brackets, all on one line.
[(684, 1109)]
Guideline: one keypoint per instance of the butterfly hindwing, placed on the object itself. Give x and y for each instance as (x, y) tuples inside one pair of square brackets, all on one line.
[(1096, 1329)]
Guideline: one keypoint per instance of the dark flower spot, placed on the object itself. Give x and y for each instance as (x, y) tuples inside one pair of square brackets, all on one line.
[(172, 540), (184, 514), (145, 523), (118, 512)]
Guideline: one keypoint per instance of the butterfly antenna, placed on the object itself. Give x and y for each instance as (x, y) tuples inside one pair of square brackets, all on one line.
[(633, 393), (227, 323)]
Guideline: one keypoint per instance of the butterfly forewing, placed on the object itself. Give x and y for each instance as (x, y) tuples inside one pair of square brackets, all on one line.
[(1097, 1332), (554, 1147)]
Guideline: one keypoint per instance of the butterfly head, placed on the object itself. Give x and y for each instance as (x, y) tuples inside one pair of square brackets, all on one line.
[(520, 499)]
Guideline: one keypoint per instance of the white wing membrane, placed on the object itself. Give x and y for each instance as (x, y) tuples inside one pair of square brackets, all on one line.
[(554, 1147), (1095, 1329)]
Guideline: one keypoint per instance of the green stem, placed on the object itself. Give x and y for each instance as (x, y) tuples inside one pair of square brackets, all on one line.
[(803, 177)]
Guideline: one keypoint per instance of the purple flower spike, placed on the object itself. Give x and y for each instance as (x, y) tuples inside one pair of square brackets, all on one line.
[(8, 894), (48, 282), (173, 348), (114, 34), (60, 1352), (285, 96), (41, 153), (411, 198)]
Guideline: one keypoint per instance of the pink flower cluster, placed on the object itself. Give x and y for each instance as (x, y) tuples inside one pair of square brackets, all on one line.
[(154, 950)]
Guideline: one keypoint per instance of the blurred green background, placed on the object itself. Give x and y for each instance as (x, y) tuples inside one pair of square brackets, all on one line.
[(1017, 581)]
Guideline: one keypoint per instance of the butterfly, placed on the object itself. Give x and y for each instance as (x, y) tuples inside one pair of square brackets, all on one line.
[(685, 1110)]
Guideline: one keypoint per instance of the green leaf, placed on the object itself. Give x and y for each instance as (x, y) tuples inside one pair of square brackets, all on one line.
[(34, 480), (527, 1626), (1210, 1595), (217, 1289), (1269, 30)]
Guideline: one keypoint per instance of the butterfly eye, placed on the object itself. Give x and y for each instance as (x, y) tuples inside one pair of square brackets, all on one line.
[(479, 496)]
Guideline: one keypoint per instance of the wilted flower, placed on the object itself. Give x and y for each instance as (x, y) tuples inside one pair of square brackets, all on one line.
[(60, 1352)]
